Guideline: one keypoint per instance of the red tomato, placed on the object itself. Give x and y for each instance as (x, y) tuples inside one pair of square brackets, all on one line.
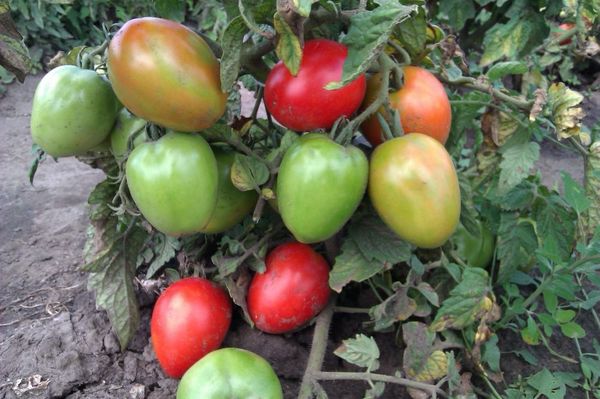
[(292, 290), (565, 27), (301, 102), (422, 102), (189, 320)]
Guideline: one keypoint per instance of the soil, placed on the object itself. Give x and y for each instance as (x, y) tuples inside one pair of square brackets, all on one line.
[(54, 343)]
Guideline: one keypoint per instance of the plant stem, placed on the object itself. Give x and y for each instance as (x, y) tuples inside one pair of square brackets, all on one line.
[(586, 296), (87, 57), (403, 54), (329, 375), (317, 351), (346, 309), (492, 105)]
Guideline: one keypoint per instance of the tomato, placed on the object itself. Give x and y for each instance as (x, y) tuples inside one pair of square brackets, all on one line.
[(190, 319), (73, 111), (563, 28), (293, 289), (126, 125), (165, 73), (319, 186), (230, 373), (174, 182), (301, 102), (422, 103), (414, 188), (477, 250), (232, 204)]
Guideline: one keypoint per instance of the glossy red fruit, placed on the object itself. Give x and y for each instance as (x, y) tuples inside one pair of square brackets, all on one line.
[(189, 320), (301, 102), (293, 289)]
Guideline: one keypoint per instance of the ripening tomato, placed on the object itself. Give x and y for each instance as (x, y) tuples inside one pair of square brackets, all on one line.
[(563, 28), (165, 73), (190, 319), (301, 102), (126, 126), (174, 182), (293, 289), (422, 103), (73, 111), (414, 188)]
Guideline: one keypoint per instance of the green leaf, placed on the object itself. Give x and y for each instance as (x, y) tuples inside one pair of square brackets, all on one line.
[(429, 293), (550, 301), (412, 33), (368, 33), (468, 302), (547, 384), (491, 353), (369, 247), (303, 7), (376, 391), (556, 228), (231, 43), (572, 330), (398, 307), (517, 161), (518, 198), (420, 360), (361, 351), (564, 315), (505, 40), (164, 248), (531, 334), (248, 173), (288, 47), (255, 12), (574, 194), (516, 244), (171, 9), (502, 69), (38, 157), (458, 14)]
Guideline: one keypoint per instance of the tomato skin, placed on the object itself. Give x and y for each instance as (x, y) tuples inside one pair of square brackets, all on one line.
[(319, 186), (301, 102), (230, 373), (232, 204), (73, 111), (293, 289), (565, 27), (477, 250), (126, 125), (174, 182), (190, 319), (165, 73), (422, 103), (414, 188)]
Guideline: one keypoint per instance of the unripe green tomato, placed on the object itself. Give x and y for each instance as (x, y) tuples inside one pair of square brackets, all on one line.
[(174, 182), (126, 125), (477, 250), (319, 186), (232, 204), (230, 373), (414, 188), (73, 111)]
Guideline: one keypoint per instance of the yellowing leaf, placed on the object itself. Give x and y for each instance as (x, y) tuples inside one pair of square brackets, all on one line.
[(288, 47), (567, 113), (435, 368)]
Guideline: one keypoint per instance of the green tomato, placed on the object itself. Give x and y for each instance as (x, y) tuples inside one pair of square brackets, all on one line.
[(126, 125), (232, 204), (477, 250), (73, 111), (174, 182), (230, 373), (319, 186)]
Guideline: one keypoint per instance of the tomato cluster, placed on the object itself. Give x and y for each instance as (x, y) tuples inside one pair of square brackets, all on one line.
[(163, 73)]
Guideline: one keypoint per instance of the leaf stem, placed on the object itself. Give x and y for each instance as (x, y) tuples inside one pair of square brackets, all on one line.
[(86, 59), (492, 105), (351, 310), (330, 375)]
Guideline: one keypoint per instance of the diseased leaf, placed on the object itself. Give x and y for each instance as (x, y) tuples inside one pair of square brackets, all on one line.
[(361, 351), (502, 69), (351, 265), (468, 302), (288, 47), (398, 307), (517, 161), (231, 43), (412, 33), (14, 55), (248, 173), (505, 40), (238, 290), (564, 106), (531, 333), (516, 244), (303, 7), (255, 12), (458, 15), (420, 360), (368, 33)]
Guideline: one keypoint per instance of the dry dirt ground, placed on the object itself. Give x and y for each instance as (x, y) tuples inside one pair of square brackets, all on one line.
[(54, 343)]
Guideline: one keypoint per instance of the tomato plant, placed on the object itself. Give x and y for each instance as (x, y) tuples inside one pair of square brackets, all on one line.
[(230, 373), (294, 100), (125, 126), (414, 188), (73, 111), (292, 290), (174, 182), (478, 249), (190, 319), (320, 185), (421, 101), (165, 73), (232, 204)]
